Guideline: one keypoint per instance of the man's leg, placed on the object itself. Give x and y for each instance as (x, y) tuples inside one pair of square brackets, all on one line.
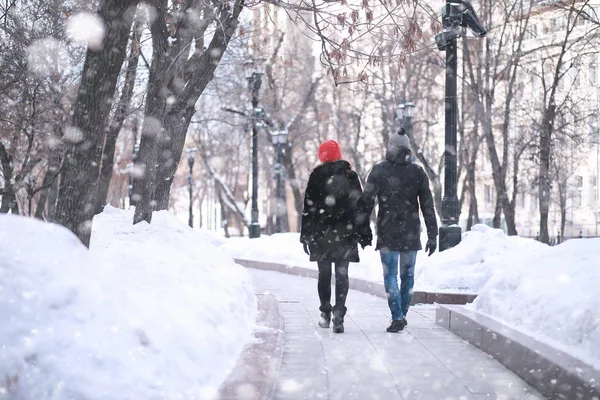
[(408, 260), (324, 286), (389, 259)]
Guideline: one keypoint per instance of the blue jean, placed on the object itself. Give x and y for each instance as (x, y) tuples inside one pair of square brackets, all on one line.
[(398, 299)]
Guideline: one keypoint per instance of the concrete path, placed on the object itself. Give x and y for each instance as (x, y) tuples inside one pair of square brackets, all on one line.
[(367, 363)]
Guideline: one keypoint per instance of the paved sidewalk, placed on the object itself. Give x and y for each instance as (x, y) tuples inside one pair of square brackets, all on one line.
[(367, 363)]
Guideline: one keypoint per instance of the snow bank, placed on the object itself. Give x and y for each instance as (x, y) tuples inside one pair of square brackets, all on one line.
[(465, 268), (551, 295), (285, 248), (151, 311), (468, 266)]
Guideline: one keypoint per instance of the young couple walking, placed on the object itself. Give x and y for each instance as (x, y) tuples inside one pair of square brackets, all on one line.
[(336, 216)]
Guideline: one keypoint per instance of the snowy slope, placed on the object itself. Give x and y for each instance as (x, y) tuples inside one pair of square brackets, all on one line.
[(552, 295), (150, 312), (468, 266)]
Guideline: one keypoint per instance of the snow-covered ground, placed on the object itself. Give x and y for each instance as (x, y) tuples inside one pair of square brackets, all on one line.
[(150, 311), (548, 292), (552, 295), (465, 268)]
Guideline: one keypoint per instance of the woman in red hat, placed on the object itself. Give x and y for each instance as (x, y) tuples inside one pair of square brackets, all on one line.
[(331, 230)]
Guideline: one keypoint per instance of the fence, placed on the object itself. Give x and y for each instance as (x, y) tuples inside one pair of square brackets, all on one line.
[(558, 239)]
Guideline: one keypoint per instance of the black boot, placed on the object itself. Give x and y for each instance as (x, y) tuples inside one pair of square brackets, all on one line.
[(325, 320), (338, 321), (396, 326)]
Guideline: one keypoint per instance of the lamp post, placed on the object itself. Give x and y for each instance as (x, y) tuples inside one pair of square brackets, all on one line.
[(456, 15), (191, 154), (405, 113), (254, 76), (279, 140)]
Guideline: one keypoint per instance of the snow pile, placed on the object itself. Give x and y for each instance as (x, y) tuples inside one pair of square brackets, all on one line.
[(151, 311), (551, 295), (286, 249), (468, 266), (465, 268)]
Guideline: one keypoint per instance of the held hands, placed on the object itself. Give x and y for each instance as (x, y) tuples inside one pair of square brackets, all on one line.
[(431, 246)]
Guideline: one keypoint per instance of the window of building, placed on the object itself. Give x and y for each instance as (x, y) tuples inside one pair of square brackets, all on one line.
[(593, 130), (521, 200), (593, 189), (593, 69), (576, 71), (578, 198), (535, 202), (562, 76), (535, 82), (581, 16)]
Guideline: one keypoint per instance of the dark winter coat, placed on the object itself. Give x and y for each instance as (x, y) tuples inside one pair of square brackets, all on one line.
[(329, 219), (399, 187)]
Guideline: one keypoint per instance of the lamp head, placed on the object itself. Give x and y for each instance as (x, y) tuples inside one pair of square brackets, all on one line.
[(457, 14)]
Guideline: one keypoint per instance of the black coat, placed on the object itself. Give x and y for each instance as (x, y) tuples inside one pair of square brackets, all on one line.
[(399, 187), (329, 219)]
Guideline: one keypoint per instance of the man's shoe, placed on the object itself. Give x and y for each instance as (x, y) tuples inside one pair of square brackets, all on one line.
[(338, 322), (405, 321), (396, 326), (325, 320)]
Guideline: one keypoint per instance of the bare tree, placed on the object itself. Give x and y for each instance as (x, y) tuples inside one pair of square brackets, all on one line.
[(555, 99), (497, 70)]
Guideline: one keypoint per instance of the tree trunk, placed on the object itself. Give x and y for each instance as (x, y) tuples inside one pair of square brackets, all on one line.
[(544, 179), (79, 177), (9, 203), (563, 221), (288, 166), (178, 118), (144, 184), (50, 181), (224, 213), (473, 218), (108, 153), (497, 220)]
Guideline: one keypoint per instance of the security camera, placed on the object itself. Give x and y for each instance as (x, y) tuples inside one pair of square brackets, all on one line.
[(457, 14)]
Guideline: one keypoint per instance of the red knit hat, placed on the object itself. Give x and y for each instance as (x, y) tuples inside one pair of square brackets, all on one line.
[(329, 151)]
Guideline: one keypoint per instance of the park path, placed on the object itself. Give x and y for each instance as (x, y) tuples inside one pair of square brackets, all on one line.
[(367, 363)]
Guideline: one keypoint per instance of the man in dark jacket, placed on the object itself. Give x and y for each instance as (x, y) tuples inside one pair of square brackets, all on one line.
[(399, 187), (329, 231)]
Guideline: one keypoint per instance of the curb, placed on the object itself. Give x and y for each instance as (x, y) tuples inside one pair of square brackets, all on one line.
[(373, 288), (554, 373), (255, 373)]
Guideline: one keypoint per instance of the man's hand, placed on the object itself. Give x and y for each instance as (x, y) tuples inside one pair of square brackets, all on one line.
[(305, 245), (431, 246)]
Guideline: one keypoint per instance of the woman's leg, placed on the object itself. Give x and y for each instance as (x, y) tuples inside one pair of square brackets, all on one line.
[(324, 286), (341, 286)]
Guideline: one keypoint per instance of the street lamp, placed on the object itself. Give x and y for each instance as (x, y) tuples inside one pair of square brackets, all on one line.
[(279, 140), (456, 15), (191, 154), (254, 72), (404, 115)]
